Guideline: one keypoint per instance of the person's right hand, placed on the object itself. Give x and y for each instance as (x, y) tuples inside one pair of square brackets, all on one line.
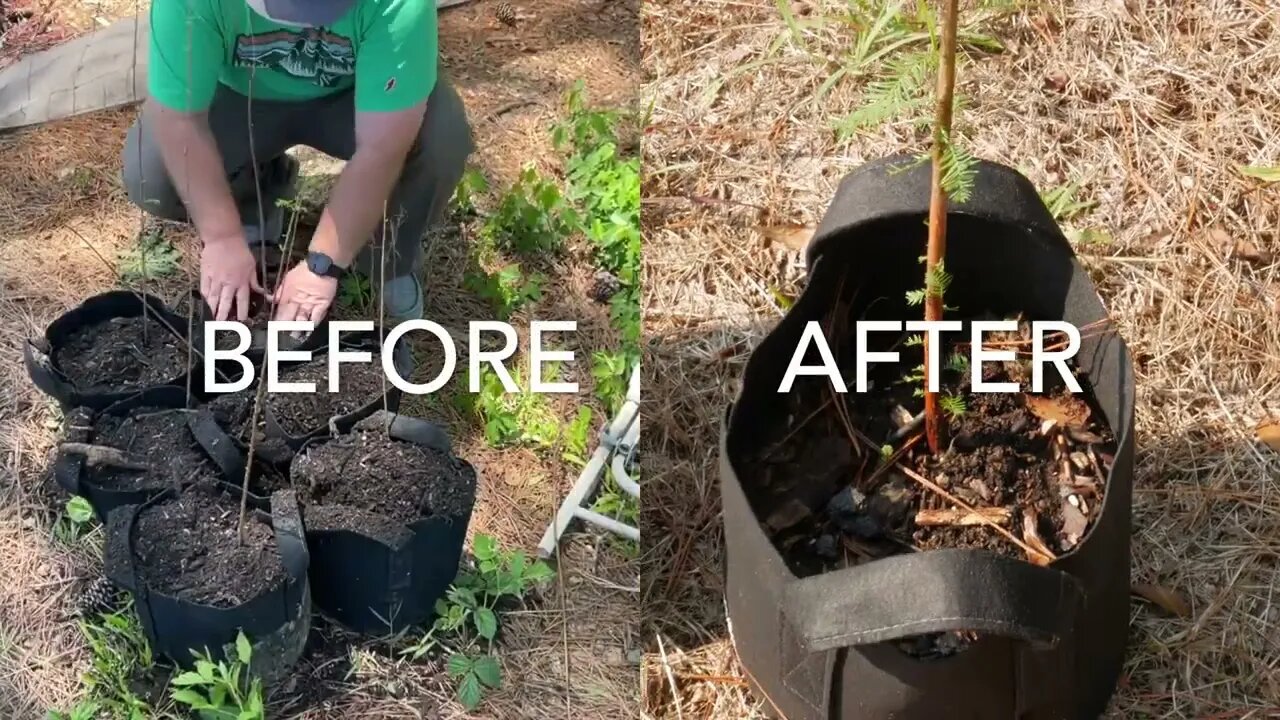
[(227, 277)]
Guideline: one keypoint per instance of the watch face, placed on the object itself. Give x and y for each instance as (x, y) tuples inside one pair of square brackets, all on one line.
[(319, 263)]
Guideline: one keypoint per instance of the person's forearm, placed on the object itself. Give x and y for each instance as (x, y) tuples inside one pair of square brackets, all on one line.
[(356, 205), (191, 156)]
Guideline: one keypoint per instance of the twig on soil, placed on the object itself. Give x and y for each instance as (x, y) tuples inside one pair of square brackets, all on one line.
[(1037, 551), (1031, 552), (946, 516), (102, 456), (911, 426)]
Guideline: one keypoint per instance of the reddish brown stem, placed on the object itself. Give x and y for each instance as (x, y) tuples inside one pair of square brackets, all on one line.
[(937, 250)]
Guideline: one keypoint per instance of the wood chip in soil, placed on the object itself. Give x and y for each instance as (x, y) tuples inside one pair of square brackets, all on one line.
[(369, 471), (119, 354), (189, 548), (158, 437), (300, 413)]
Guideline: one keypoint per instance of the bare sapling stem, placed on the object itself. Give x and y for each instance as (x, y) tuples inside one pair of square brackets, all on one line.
[(937, 248)]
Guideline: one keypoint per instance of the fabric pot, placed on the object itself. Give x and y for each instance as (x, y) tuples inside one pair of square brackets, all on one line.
[(229, 453), (69, 470), (1052, 639), (402, 358), (388, 577), (276, 622), (39, 353)]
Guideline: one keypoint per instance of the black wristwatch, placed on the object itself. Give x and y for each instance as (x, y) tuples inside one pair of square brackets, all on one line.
[(324, 266)]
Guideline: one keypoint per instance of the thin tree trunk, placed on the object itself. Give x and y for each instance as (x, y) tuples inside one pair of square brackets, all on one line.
[(937, 249)]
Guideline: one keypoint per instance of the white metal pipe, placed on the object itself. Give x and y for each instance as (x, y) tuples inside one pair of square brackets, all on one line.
[(608, 523)]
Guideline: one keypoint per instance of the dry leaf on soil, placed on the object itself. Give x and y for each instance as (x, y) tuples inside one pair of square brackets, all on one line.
[(795, 237), (1170, 600), (1268, 431), (1068, 411)]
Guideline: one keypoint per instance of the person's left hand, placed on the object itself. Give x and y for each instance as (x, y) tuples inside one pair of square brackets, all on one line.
[(303, 295)]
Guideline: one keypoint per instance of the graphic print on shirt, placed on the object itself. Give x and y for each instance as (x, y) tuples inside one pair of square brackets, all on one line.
[(309, 54)]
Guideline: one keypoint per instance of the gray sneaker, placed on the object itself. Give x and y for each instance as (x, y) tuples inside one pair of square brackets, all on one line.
[(283, 173), (402, 299)]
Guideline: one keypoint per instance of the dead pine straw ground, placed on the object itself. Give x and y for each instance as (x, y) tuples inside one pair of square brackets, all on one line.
[(1150, 107), (570, 654)]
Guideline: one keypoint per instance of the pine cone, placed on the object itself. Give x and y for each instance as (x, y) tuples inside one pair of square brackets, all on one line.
[(506, 14), (606, 286), (101, 597)]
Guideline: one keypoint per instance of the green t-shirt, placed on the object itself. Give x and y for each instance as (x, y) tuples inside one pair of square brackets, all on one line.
[(386, 49)]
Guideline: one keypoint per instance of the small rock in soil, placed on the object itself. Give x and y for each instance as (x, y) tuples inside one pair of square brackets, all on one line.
[(933, 646), (300, 413), (825, 547), (121, 354), (189, 548), (891, 503)]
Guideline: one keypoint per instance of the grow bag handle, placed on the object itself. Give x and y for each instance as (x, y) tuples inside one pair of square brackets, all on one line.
[(932, 591), (898, 186)]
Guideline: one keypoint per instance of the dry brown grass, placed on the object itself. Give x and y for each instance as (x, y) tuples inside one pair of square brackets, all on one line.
[(1162, 102), (569, 654)]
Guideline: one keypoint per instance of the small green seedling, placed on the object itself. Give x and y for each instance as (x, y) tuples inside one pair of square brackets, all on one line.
[(475, 674), (151, 257), (222, 690), (355, 292)]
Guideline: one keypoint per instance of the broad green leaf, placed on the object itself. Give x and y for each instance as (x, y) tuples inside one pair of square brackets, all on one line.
[(484, 547), (1265, 174), (470, 692), (486, 623), (188, 678), (488, 671), (458, 665), (244, 651), (79, 510), (190, 698), (218, 696)]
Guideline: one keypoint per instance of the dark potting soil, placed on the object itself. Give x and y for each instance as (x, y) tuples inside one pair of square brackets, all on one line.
[(369, 471), (300, 413), (833, 504), (156, 437), (121, 354), (259, 315), (189, 548)]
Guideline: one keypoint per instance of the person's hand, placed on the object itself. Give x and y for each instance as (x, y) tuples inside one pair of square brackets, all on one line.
[(303, 295), (227, 277)]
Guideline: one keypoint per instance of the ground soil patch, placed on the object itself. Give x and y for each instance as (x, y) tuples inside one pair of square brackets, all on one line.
[(188, 547), (121, 353)]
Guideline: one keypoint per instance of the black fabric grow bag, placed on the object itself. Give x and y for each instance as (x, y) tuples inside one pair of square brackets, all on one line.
[(1052, 638), (39, 353), (69, 470), (276, 622), (402, 358), (390, 577)]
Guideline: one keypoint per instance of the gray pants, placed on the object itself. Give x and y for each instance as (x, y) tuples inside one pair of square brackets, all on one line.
[(421, 196)]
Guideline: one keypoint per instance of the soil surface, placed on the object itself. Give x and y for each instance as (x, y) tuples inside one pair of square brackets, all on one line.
[(234, 411), (157, 437), (369, 471), (833, 504), (300, 413), (121, 354), (189, 548)]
